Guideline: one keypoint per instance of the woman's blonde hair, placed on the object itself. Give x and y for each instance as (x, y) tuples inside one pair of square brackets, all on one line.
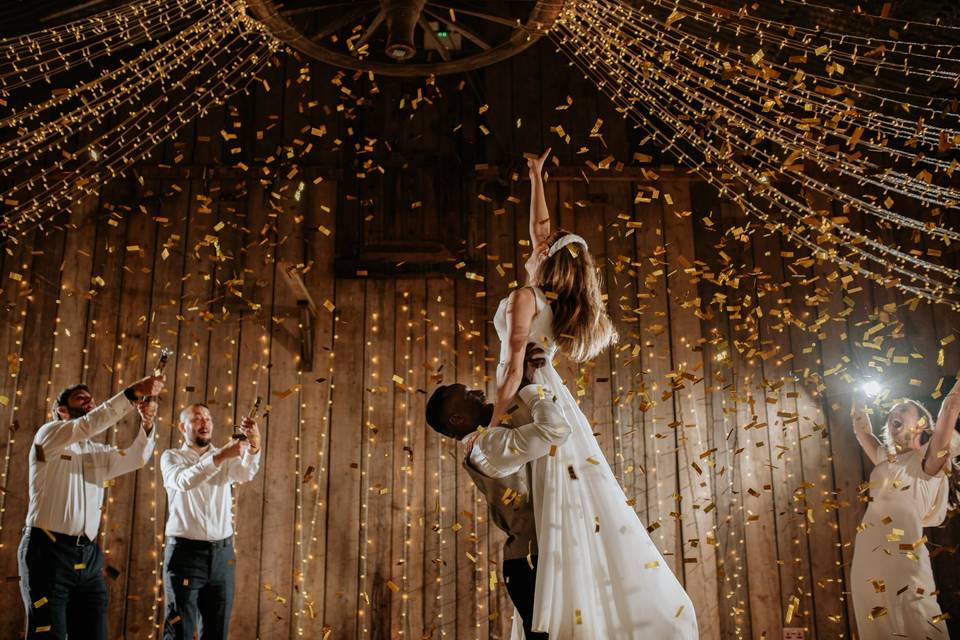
[(569, 278)]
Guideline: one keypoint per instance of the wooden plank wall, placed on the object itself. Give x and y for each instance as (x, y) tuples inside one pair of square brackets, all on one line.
[(723, 410)]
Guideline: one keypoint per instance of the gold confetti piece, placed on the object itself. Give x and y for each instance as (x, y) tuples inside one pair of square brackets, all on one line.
[(80, 565), (877, 612), (653, 564), (39, 603), (393, 586), (329, 306), (791, 609)]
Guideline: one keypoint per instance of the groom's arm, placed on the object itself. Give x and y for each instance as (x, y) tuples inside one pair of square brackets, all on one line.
[(502, 451)]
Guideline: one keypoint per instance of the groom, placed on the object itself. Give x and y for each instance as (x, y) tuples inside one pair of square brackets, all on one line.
[(497, 460)]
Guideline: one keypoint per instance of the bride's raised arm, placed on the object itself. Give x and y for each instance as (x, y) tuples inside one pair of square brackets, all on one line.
[(539, 214), (521, 307), (861, 428)]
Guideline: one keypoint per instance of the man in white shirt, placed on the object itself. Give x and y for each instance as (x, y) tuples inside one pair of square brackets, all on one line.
[(61, 564), (497, 460), (198, 562)]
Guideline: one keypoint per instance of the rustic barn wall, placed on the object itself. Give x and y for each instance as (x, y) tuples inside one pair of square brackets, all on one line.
[(723, 410)]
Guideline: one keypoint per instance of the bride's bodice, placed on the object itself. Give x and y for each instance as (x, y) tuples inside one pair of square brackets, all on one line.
[(541, 327)]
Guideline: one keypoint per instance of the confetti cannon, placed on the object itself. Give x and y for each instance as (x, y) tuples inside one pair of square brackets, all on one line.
[(254, 410), (162, 360)]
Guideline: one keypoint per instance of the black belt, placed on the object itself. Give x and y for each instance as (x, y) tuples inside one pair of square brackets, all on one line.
[(200, 544), (61, 538)]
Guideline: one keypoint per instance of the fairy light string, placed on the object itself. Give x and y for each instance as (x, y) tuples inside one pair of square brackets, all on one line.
[(200, 66), (598, 48), (41, 57), (720, 101)]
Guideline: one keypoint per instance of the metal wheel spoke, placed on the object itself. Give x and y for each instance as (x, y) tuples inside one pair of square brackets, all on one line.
[(350, 16), (513, 24), (369, 31)]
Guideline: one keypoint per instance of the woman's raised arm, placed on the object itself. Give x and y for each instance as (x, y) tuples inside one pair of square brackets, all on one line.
[(521, 307), (864, 432), (539, 214), (938, 451)]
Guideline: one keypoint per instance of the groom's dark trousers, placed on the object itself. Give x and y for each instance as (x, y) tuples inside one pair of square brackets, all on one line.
[(521, 581)]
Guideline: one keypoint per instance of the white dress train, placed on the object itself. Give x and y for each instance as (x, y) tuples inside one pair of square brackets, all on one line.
[(599, 575)]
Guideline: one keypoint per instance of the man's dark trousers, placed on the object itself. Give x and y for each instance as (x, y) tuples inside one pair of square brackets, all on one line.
[(521, 581), (62, 586), (198, 588)]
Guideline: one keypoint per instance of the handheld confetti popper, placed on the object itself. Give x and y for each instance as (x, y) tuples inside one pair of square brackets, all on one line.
[(254, 410), (162, 359)]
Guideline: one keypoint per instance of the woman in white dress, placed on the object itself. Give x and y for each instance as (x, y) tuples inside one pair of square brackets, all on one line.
[(599, 575), (892, 582)]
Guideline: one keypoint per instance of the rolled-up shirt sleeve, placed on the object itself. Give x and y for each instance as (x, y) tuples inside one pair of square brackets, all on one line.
[(501, 451), (55, 436)]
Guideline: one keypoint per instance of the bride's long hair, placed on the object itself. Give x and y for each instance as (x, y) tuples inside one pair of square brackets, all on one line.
[(571, 282)]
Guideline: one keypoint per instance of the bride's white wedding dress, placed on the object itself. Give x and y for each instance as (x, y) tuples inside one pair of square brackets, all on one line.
[(599, 575)]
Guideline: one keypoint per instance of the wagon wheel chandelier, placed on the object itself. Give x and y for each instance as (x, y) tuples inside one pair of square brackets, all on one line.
[(408, 37)]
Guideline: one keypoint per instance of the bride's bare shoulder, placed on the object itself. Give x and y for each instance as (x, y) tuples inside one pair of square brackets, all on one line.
[(523, 300)]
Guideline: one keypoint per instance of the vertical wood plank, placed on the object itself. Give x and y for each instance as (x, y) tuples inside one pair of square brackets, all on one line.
[(660, 451), (752, 456), (817, 495), (14, 307), (721, 411), (343, 491), (408, 571), (377, 460), (170, 207), (316, 410), (283, 420), (136, 290), (253, 379), (775, 353), (695, 478)]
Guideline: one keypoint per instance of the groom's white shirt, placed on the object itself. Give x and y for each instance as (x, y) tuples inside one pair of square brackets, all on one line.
[(500, 451)]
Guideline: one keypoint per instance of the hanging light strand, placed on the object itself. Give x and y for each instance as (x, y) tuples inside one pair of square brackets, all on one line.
[(599, 48), (45, 57), (754, 181)]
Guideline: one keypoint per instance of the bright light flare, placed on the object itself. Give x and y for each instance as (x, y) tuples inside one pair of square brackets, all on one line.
[(871, 387)]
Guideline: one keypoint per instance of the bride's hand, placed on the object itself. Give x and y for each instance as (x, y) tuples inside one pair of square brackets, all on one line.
[(535, 165)]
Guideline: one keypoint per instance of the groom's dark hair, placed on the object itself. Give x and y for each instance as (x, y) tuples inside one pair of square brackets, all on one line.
[(436, 416)]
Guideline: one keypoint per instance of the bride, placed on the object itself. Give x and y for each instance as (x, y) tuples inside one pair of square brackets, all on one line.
[(599, 575)]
